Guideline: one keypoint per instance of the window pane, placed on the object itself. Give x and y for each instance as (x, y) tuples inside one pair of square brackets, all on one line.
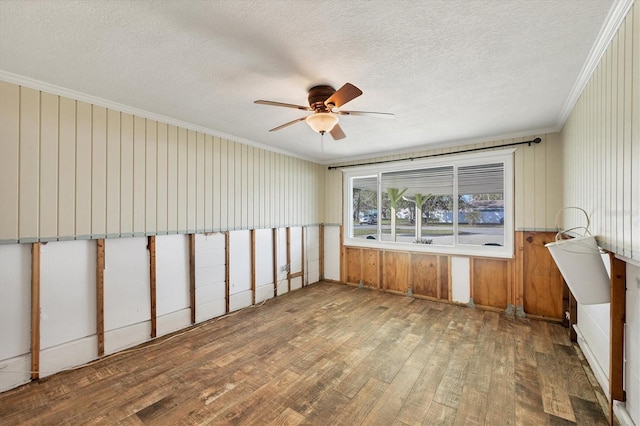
[(481, 204), (365, 207), (418, 206)]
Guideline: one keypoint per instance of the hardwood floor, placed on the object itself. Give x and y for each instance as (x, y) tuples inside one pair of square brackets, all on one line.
[(331, 354)]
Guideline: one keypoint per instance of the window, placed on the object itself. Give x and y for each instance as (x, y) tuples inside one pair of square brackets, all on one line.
[(461, 204)]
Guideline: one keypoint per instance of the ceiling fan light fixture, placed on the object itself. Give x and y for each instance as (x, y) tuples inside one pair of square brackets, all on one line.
[(322, 122)]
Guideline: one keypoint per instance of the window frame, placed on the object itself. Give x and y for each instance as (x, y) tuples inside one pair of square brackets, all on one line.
[(499, 156)]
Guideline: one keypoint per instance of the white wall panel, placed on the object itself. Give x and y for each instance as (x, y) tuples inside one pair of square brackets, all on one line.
[(68, 355), (332, 253), (210, 272), (173, 321), (264, 257), (264, 292), (15, 300), (126, 337), (593, 326), (312, 254), (240, 262), (295, 249), (16, 372), (460, 279), (632, 341), (68, 292), (172, 274), (239, 300), (127, 296), (281, 260)]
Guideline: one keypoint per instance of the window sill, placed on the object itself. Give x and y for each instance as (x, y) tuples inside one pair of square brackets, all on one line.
[(501, 252)]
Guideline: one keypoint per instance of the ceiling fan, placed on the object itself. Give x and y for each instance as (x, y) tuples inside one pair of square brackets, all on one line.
[(325, 102)]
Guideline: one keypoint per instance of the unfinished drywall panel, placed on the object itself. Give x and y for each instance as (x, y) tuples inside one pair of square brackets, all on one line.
[(67, 355), (67, 304), (295, 249), (127, 300), (210, 272), (296, 283), (593, 337), (281, 261), (460, 279), (312, 254), (264, 264), (632, 342), (240, 294), (15, 299), (332, 253), (67, 292), (172, 283), (126, 282), (15, 318)]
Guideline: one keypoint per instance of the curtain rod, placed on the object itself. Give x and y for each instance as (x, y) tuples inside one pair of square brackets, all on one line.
[(536, 141)]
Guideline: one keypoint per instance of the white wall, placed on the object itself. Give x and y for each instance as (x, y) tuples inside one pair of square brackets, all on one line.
[(239, 270), (460, 279), (332, 253), (312, 256), (67, 305), (15, 315), (172, 283), (210, 276), (127, 294), (632, 342)]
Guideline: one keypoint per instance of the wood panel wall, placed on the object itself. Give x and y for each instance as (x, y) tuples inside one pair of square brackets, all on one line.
[(69, 169), (601, 141), (529, 284), (537, 168)]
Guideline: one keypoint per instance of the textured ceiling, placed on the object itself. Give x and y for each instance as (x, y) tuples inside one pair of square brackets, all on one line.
[(451, 71)]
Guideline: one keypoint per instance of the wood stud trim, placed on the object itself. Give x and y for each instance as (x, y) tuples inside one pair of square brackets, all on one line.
[(100, 265), (617, 314)]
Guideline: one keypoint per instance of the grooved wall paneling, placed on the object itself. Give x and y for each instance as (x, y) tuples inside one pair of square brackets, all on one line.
[(601, 141), (72, 170)]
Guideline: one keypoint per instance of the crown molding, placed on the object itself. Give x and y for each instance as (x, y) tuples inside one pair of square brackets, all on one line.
[(94, 100), (612, 23)]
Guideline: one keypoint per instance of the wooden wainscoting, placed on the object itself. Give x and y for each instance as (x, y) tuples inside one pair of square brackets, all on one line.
[(492, 283), (529, 284), (542, 284)]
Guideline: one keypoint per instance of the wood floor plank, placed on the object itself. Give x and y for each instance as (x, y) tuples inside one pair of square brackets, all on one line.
[(330, 354)]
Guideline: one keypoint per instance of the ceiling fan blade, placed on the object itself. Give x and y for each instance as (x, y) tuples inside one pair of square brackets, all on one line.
[(337, 133), (282, 104), (343, 95), (288, 124), (371, 113)]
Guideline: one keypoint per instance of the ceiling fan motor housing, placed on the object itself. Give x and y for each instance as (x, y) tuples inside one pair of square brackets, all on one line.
[(317, 96)]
